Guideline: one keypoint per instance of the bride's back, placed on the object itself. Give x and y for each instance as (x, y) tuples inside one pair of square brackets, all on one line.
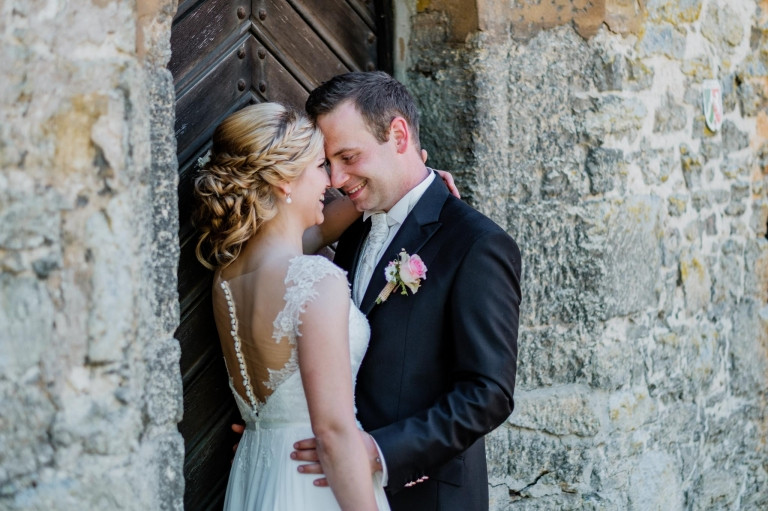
[(253, 294)]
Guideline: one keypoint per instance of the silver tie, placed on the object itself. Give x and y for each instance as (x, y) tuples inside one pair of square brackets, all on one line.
[(376, 238)]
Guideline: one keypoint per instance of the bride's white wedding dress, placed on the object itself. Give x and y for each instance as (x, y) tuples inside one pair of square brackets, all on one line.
[(263, 477)]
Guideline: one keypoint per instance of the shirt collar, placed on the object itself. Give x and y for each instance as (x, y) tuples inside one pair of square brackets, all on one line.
[(398, 212)]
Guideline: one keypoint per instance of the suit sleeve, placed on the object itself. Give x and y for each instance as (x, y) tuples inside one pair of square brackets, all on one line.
[(481, 324)]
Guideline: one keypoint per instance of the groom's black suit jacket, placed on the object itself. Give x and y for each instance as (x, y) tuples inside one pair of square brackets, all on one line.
[(439, 372)]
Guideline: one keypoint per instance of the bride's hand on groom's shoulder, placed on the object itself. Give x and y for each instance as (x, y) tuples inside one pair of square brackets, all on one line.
[(444, 175), (447, 178)]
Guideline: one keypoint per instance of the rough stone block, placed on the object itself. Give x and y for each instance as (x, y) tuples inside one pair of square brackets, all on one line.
[(97, 424), (734, 168), (677, 204), (613, 364), (163, 397), (728, 273), (715, 489), (630, 232), (603, 261), (656, 165), (631, 409), (26, 324), (692, 165), (111, 318), (748, 358), (723, 26), (163, 456), (674, 11), (735, 208), (752, 97), (700, 199), (759, 220), (559, 411), (670, 117), (553, 356), (662, 39), (521, 458), (710, 149), (696, 281), (613, 116), (655, 483), (29, 221), (640, 77), (602, 166), (756, 269), (733, 138), (24, 424)]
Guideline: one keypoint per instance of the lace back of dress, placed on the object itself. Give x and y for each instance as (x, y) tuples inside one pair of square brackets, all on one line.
[(303, 274)]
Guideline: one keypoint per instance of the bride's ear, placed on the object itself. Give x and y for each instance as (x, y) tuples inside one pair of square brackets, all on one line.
[(283, 189)]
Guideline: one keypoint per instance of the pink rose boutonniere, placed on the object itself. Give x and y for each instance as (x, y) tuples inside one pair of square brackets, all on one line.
[(405, 272)]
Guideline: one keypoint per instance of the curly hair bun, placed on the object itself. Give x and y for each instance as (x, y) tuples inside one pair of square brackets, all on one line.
[(254, 150)]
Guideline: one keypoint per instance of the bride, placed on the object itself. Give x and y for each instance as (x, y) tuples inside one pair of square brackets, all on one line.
[(291, 338)]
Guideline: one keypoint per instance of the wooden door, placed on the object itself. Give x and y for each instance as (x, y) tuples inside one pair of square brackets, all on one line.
[(227, 54)]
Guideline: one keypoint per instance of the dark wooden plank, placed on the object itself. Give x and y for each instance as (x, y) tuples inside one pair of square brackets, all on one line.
[(206, 396), (187, 174), (271, 81), (197, 336), (197, 33), (298, 48), (366, 9), (342, 30), (184, 6), (197, 114), (206, 468), (194, 279), (384, 17)]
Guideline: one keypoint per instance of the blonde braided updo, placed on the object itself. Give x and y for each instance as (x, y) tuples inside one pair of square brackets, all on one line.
[(253, 150)]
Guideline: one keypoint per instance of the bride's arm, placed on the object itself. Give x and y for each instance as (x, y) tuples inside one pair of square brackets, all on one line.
[(324, 364), (339, 214)]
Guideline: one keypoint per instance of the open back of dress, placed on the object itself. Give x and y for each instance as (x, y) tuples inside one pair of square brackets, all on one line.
[(265, 379)]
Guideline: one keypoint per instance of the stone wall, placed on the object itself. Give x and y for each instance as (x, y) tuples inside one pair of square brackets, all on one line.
[(578, 127), (90, 391), (643, 371)]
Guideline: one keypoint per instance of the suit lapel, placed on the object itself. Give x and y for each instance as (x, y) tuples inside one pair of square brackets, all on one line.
[(419, 226)]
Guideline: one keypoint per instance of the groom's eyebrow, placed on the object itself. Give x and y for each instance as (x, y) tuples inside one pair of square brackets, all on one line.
[(342, 150)]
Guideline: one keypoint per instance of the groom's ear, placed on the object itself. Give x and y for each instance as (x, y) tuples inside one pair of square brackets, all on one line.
[(401, 135)]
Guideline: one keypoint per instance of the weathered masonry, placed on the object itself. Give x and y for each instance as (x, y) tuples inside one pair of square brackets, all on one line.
[(580, 126)]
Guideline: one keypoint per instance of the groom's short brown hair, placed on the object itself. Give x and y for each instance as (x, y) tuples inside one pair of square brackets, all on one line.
[(377, 96)]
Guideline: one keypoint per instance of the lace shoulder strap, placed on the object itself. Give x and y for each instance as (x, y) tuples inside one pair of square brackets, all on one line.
[(303, 273)]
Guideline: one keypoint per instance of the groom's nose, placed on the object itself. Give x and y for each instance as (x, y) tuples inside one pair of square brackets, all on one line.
[(338, 177)]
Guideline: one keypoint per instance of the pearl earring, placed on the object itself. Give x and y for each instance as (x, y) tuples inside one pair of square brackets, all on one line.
[(288, 198)]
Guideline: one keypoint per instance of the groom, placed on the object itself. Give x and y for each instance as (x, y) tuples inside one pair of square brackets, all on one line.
[(439, 373)]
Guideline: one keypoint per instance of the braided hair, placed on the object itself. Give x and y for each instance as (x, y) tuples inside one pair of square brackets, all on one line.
[(253, 150)]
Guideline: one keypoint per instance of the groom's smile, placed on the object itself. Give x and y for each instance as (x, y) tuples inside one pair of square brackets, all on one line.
[(354, 191)]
